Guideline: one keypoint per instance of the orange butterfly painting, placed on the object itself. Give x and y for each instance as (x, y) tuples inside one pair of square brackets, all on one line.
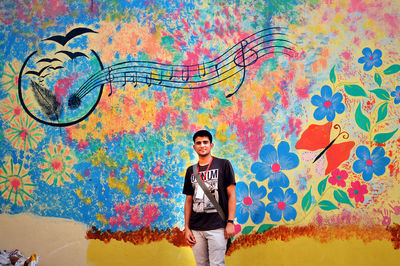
[(323, 151)]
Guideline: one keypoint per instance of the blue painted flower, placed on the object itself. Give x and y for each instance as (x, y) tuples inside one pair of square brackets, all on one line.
[(280, 204), (250, 204), (370, 59), (396, 95), (273, 162), (327, 104), (369, 164)]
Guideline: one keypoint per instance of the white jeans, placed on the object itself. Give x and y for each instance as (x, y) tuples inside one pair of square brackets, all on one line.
[(210, 247)]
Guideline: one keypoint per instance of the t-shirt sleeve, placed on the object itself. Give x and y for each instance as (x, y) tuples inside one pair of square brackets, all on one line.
[(187, 186), (229, 174)]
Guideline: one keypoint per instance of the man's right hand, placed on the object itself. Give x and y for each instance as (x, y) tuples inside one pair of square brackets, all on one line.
[(189, 237)]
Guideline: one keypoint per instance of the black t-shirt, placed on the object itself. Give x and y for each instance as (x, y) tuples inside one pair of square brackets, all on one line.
[(219, 176)]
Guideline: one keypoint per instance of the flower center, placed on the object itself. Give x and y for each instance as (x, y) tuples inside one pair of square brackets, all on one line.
[(369, 162), (15, 183), (17, 111), (356, 191), (57, 165), (327, 104), (339, 177), (371, 57), (247, 201), (23, 134), (276, 167), (281, 205)]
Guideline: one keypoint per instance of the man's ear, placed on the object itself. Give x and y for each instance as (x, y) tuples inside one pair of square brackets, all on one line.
[(212, 145)]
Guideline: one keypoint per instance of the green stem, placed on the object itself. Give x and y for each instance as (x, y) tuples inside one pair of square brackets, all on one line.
[(312, 208)]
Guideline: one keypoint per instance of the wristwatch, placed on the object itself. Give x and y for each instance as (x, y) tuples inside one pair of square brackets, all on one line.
[(230, 221)]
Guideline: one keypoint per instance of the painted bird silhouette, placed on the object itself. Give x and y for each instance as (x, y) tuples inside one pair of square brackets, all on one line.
[(48, 60), (71, 55), (39, 73), (69, 36)]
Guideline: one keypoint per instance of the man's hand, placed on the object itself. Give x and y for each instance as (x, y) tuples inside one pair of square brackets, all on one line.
[(229, 230), (189, 237)]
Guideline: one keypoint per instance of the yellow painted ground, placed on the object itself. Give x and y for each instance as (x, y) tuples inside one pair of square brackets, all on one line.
[(62, 242), (301, 251)]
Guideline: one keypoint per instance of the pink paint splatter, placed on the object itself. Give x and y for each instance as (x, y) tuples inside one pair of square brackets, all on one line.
[(293, 127), (158, 170), (136, 215), (250, 132), (63, 86)]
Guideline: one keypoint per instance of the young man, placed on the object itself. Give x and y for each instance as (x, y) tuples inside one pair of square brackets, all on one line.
[(205, 230)]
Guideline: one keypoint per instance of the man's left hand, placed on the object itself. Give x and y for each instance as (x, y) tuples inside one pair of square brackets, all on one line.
[(229, 230)]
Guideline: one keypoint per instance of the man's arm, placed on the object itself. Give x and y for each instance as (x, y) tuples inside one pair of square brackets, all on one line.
[(188, 211), (230, 228)]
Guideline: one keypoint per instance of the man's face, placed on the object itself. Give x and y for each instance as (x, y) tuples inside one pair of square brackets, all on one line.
[(203, 146)]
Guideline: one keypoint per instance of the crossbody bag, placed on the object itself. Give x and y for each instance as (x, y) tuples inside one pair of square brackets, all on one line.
[(213, 201)]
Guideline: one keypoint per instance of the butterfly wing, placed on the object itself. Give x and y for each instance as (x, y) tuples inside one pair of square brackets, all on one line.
[(337, 154), (315, 137), (319, 165)]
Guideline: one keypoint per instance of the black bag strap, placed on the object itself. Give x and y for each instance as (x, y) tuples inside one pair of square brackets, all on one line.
[(208, 194)]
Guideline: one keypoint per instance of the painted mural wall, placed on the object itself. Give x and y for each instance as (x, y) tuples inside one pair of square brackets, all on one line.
[(99, 101)]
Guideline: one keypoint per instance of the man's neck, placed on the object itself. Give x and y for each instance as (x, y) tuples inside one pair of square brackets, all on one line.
[(204, 160)]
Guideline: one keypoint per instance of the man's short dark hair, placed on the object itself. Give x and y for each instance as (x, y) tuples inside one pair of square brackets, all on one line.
[(202, 133)]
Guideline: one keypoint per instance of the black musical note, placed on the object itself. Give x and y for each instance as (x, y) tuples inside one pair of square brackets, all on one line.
[(187, 74), (110, 79)]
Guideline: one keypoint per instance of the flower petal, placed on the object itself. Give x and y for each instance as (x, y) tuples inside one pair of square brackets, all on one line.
[(359, 166), (380, 165), (289, 213), (278, 179), (290, 196), (276, 195), (317, 100), (368, 173), (262, 170), (257, 193), (367, 52), (268, 154), (377, 53), (363, 153), (377, 153), (330, 116), (274, 213), (242, 213), (257, 212), (339, 108), (326, 93), (242, 191), (320, 113)]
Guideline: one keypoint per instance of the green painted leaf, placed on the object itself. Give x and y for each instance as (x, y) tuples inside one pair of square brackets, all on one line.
[(361, 120), (265, 227), (326, 205), (247, 230), (355, 90), (342, 197), (382, 112), (383, 137), (392, 69), (378, 79), (306, 201), (381, 94), (332, 75), (322, 186)]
